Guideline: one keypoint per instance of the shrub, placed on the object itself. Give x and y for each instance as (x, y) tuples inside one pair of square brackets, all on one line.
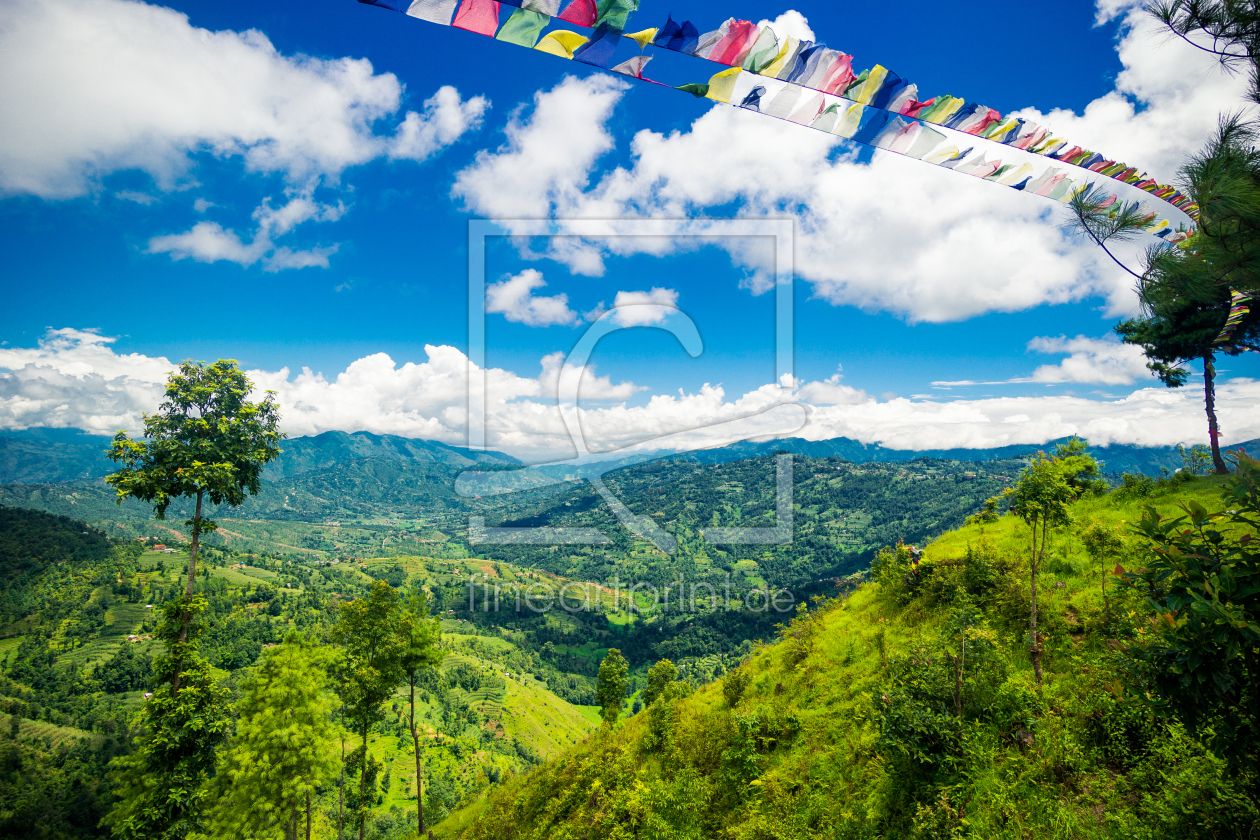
[(733, 686)]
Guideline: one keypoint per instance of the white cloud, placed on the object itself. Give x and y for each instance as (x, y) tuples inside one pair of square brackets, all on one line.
[(514, 299), (830, 392), (1099, 362), (210, 242), (1109, 10), (1090, 361), (1102, 361), (1167, 100), (641, 309), (74, 379), (589, 387), (962, 247), (94, 86), (790, 24), (445, 119)]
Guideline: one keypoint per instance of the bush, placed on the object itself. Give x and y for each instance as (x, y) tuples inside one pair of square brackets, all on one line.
[(733, 686)]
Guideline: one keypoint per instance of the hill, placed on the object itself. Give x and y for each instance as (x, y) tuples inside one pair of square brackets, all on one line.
[(1118, 458), (46, 456), (859, 721)]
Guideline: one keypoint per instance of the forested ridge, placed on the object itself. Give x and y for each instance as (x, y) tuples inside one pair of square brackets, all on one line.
[(908, 706)]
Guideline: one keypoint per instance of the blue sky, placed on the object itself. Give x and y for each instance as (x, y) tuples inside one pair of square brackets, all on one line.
[(909, 277)]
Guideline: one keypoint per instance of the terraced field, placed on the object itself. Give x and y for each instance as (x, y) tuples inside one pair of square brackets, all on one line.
[(53, 735), (7, 648), (122, 619)]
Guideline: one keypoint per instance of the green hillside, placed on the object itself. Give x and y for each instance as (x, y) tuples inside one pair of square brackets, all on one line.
[(851, 725)]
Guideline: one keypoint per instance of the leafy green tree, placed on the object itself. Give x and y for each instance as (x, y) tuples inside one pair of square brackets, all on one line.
[(1203, 577), (1103, 545), (283, 749), (1080, 469), (659, 675), (1041, 499), (207, 440), (420, 653), (1196, 460), (162, 785), (610, 691), (370, 668)]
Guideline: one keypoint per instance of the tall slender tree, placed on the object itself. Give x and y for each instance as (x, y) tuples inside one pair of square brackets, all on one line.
[(283, 749), (420, 653), (162, 785), (207, 441), (1186, 291), (1041, 499), (370, 668)]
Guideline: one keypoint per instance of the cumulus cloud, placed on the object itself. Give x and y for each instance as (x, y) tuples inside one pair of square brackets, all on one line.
[(1102, 361), (642, 309), (1090, 361), (963, 247), (790, 24), (210, 242), (75, 379), (830, 391), (94, 86), (514, 299)]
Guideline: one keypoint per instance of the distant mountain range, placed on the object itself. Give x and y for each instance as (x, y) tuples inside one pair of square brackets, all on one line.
[(41, 456)]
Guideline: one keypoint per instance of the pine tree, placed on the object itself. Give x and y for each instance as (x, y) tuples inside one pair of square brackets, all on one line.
[(283, 750)]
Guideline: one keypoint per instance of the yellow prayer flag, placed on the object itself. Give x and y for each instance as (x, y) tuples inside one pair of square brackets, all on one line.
[(722, 85), (561, 43), (643, 38)]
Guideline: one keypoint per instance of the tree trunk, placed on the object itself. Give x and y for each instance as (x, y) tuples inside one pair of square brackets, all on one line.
[(415, 738), (1209, 394), (188, 593), (1034, 649), (308, 815)]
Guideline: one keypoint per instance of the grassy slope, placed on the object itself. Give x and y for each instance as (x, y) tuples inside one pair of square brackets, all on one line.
[(814, 769)]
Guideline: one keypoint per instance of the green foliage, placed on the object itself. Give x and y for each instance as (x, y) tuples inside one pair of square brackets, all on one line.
[(31, 541), (1202, 574), (283, 750), (610, 693), (206, 441), (52, 793), (1196, 460), (420, 654), (162, 785), (658, 677), (663, 716), (896, 570), (366, 671), (207, 438), (734, 684)]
